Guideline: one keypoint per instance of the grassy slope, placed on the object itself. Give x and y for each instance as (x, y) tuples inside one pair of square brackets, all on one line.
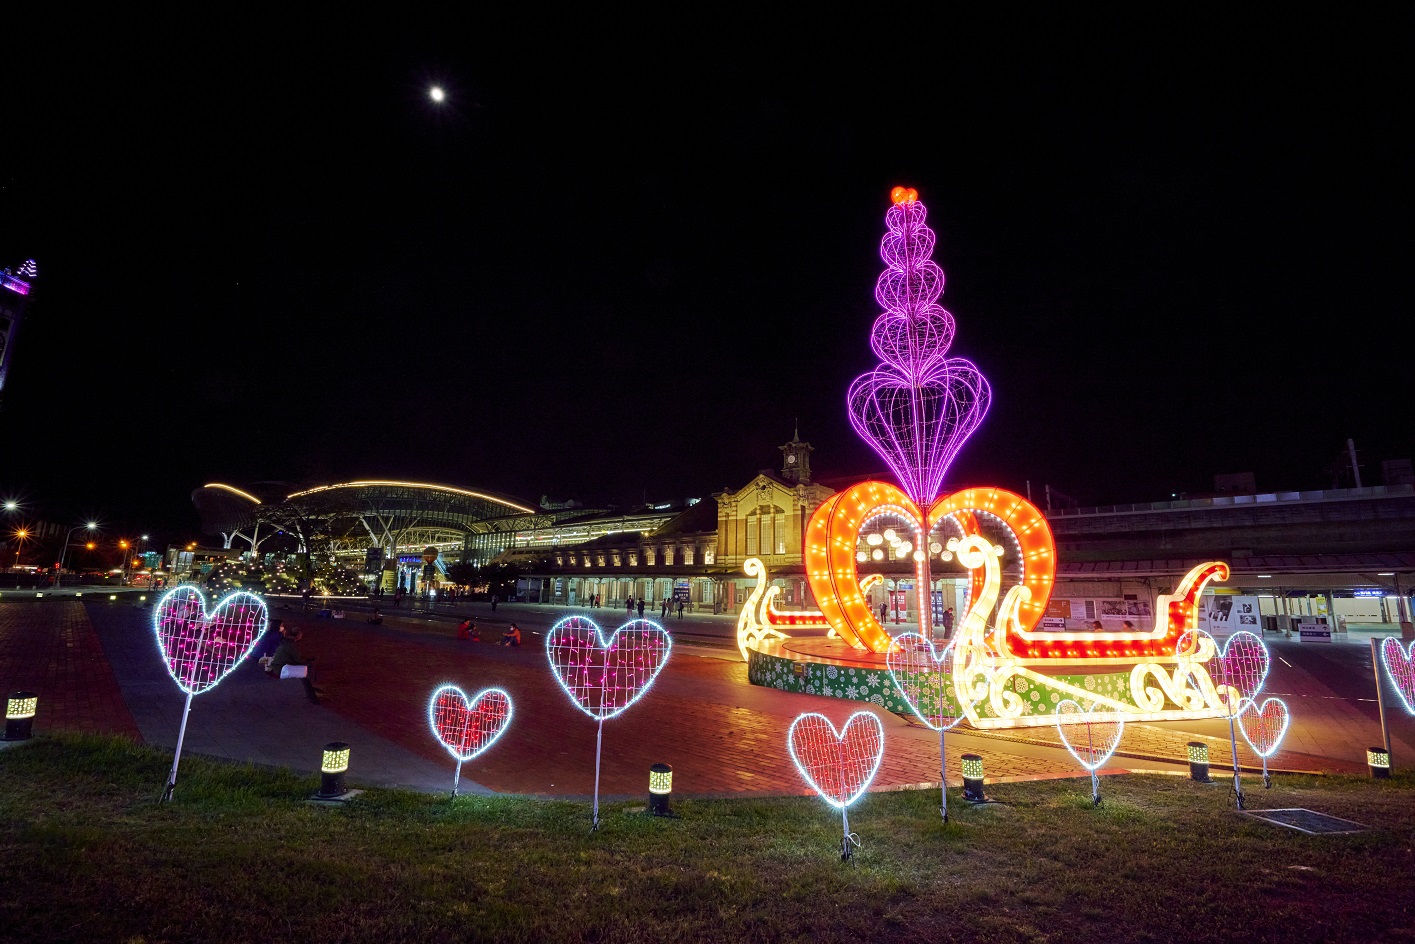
[(86, 854)]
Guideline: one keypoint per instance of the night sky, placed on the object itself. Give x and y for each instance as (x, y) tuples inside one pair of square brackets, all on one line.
[(616, 270)]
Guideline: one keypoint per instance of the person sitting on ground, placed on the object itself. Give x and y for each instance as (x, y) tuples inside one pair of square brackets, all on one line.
[(338, 614), (288, 652), (512, 636), (468, 630), (377, 617)]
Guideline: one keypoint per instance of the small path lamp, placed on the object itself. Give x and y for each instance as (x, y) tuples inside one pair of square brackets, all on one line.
[(19, 715)]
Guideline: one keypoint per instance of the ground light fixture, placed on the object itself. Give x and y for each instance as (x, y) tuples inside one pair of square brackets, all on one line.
[(1199, 762), (19, 715), (660, 789), (973, 779), (1378, 759), (332, 768)]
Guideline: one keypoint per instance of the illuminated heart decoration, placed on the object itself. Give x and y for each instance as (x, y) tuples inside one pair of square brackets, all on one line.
[(468, 726), (201, 648), (1400, 666), (924, 678), (1242, 665), (838, 765), (834, 532), (1263, 726), (917, 423), (1091, 740), (605, 676), (926, 337)]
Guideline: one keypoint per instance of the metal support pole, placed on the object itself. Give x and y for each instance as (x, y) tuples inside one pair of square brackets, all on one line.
[(942, 772), (1237, 780), (598, 741), (457, 777), (1380, 695), (846, 846), (177, 758)]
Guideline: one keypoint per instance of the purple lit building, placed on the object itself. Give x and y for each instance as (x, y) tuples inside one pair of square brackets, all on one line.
[(14, 293)]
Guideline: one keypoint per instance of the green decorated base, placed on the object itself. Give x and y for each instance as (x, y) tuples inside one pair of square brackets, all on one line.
[(877, 687)]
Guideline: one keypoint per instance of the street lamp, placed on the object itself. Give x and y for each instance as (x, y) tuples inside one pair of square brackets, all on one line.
[(64, 551), (123, 564)]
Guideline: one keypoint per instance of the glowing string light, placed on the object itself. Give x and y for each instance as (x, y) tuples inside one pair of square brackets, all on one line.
[(466, 727), (603, 677), (837, 764), (924, 678), (1400, 669), (1263, 728), (1090, 738), (199, 648)]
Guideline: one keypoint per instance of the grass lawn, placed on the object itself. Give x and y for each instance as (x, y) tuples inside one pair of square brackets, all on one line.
[(86, 854)]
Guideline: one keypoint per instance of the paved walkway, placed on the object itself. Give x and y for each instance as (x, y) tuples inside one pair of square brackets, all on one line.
[(722, 735), (51, 649)]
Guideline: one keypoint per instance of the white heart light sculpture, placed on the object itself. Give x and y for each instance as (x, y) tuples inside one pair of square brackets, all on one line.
[(1090, 739), (1400, 667), (1238, 668), (200, 648), (467, 726), (1263, 728), (838, 765), (603, 677), (924, 678)]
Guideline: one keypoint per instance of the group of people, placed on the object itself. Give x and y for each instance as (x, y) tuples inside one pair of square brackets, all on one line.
[(631, 606), (468, 630), (280, 648)]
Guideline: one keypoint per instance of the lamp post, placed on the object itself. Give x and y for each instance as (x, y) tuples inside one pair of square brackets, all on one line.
[(123, 564), (64, 551)]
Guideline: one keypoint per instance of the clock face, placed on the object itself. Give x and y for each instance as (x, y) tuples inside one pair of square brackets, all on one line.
[(791, 459)]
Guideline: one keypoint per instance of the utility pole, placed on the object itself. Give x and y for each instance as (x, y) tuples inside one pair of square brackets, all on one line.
[(1355, 469)]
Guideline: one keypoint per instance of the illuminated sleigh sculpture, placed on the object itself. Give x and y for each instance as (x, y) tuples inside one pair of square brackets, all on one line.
[(916, 409), (1005, 671)]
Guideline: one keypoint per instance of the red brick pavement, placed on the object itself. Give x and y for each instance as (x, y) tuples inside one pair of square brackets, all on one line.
[(721, 734), (52, 650)]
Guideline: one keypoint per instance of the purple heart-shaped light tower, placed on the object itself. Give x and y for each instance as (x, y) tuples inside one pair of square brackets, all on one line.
[(918, 407), (201, 647)]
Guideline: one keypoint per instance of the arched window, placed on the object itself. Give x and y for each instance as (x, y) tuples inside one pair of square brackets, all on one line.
[(766, 531)]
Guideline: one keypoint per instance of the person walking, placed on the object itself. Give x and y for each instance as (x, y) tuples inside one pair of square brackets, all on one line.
[(493, 603), (663, 615), (948, 623), (629, 608), (883, 611), (641, 607), (680, 609)]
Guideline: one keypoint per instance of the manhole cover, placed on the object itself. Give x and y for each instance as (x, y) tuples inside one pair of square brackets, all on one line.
[(1307, 821)]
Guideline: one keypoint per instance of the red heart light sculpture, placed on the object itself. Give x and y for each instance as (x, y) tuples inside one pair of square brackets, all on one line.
[(1400, 666), (199, 648), (1264, 726), (468, 726), (838, 765), (605, 676)]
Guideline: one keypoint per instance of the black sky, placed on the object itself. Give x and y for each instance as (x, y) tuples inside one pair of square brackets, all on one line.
[(613, 266)]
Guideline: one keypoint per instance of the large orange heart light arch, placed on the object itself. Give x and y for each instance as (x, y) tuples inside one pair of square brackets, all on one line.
[(834, 533)]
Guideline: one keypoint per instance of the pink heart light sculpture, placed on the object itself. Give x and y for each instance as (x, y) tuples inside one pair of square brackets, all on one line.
[(1400, 667), (605, 676), (924, 677), (468, 726), (838, 765), (1090, 739), (918, 406), (1240, 664), (200, 648), (1264, 726)]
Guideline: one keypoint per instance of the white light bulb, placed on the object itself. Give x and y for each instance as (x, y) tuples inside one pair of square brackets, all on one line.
[(874, 540), (890, 536), (862, 556), (437, 94), (918, 555), (935, 548), (877, 554)]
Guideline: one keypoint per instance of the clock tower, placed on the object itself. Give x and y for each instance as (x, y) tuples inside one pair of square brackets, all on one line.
[(796, 460)]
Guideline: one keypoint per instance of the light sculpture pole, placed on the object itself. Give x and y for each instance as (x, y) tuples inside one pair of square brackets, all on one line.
[(918, 406)]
